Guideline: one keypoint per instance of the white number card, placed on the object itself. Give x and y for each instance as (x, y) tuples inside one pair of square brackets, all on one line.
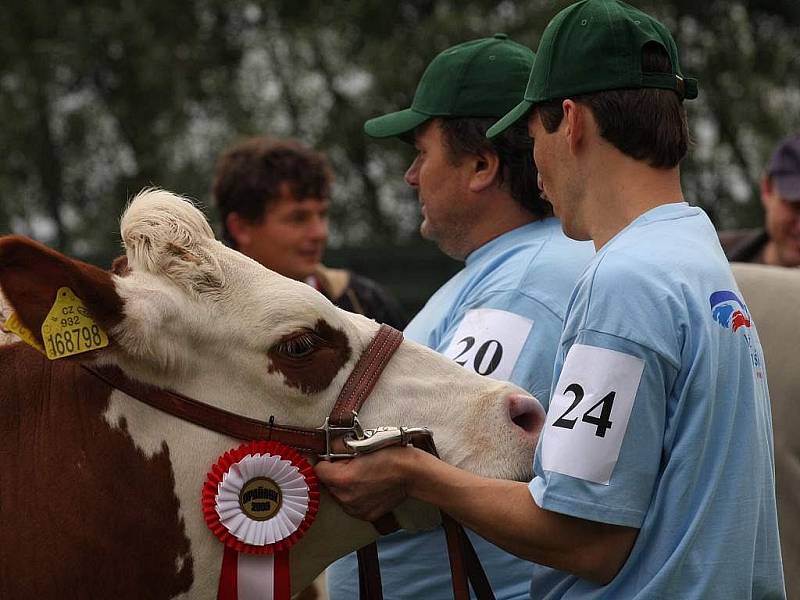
[(589, 412), (489, 341)]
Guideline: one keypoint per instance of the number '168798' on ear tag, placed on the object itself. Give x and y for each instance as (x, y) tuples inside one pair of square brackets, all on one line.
[(69, 329)]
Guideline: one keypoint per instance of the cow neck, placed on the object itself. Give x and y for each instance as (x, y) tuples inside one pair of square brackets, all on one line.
[(354, 393)]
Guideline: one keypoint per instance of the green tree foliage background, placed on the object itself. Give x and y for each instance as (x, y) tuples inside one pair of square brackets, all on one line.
[(101, 98)]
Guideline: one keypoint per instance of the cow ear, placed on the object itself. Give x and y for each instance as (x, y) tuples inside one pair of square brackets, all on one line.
[(165, 234), (31, 275)]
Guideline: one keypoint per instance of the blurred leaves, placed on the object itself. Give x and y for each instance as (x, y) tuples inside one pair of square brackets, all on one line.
[(101, 98)]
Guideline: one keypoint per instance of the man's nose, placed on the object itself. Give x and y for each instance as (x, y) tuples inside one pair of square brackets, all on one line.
[(319, 228), (412, 174)]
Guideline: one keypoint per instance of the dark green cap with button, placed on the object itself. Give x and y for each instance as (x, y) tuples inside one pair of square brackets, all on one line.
[(593, 46), (479, 78)]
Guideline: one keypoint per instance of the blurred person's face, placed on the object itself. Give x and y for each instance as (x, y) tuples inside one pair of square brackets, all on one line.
[(442, 186), (782, 221), (289, 239)]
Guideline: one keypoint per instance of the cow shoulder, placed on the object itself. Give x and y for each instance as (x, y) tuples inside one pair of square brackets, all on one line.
[(82, 505)]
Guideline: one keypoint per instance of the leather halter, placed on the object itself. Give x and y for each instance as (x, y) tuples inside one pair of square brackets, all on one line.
[(464, 562), (310, 441)]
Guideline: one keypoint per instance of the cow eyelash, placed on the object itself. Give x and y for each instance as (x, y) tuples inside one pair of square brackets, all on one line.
[(298, 346)]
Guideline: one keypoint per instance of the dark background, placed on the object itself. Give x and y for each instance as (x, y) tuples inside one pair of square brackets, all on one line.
[(99, 99)]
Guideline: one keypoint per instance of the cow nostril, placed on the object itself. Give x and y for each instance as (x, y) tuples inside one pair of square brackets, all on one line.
[(524, 421), (526, 413)]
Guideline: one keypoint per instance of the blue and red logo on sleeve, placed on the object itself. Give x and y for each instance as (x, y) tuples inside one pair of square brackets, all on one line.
[(729, 311)]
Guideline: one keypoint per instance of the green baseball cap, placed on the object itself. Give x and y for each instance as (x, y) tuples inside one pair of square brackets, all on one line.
[(593, 46), (479, 78)]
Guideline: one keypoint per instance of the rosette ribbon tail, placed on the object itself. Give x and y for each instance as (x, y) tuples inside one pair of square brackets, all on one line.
[(254, 576)]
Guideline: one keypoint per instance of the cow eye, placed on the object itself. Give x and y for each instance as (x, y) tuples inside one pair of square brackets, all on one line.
[(298, 346)]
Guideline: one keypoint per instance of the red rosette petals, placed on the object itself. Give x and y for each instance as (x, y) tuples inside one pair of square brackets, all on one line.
[(223, 465)]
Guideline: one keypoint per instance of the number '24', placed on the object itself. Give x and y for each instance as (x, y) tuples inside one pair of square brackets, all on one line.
[(601, 421)]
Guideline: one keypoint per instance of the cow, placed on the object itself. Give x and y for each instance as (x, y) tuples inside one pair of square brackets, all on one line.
[(772, 296), (100, 493)]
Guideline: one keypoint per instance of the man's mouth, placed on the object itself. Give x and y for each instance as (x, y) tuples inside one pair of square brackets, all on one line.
[(313, 254)]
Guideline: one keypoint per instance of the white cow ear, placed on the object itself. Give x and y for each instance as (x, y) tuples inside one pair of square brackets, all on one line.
[(165, 234)]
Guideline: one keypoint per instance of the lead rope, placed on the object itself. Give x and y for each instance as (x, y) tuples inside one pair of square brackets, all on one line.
[(369, 573), (465, 566)]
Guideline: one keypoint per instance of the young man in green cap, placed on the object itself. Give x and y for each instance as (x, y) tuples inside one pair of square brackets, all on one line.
[(653, 477), (502, 314)]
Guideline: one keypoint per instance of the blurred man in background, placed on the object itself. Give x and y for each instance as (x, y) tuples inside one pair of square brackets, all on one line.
[(778, 242), (273, 198), (502, 314)]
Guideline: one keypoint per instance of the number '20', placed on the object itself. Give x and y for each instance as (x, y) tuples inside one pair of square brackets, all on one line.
[(494, 346)]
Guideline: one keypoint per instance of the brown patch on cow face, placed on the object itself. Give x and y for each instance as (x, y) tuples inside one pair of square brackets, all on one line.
[(85, 514), (309, 360), (31, 273)]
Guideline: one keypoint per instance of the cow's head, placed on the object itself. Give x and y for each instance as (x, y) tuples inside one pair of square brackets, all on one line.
[(187, 313)]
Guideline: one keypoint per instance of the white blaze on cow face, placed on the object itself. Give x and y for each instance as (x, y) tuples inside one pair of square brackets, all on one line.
[(206, 321)]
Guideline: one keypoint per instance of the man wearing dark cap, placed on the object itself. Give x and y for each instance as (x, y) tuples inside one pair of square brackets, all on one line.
[(778, 242), (653, 477), (502, 314)]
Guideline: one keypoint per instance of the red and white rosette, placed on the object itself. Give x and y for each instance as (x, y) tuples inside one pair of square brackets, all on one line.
[(259, 500)]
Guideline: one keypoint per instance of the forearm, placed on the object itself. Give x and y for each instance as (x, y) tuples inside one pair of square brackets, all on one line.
[(505, 513)]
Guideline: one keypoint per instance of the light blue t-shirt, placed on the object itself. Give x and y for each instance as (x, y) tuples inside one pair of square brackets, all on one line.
[(501, 316), (659, 419)]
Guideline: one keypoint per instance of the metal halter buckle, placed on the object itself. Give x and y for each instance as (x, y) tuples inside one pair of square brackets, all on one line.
[(356, 430), (383, 437), (364, 441)]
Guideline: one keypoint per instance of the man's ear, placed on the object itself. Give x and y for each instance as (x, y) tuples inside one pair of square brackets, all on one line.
[(575, 125), (239, 229), (485, 170)]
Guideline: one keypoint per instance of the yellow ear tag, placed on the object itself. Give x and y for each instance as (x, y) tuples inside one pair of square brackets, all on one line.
[(15, 326), (69, 328)]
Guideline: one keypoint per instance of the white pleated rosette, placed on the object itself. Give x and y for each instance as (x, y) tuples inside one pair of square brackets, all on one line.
[(277, 466), (294, 502)]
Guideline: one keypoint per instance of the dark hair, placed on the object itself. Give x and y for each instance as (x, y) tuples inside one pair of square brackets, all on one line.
[(513, 148), (254, 173), (647, 124)]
